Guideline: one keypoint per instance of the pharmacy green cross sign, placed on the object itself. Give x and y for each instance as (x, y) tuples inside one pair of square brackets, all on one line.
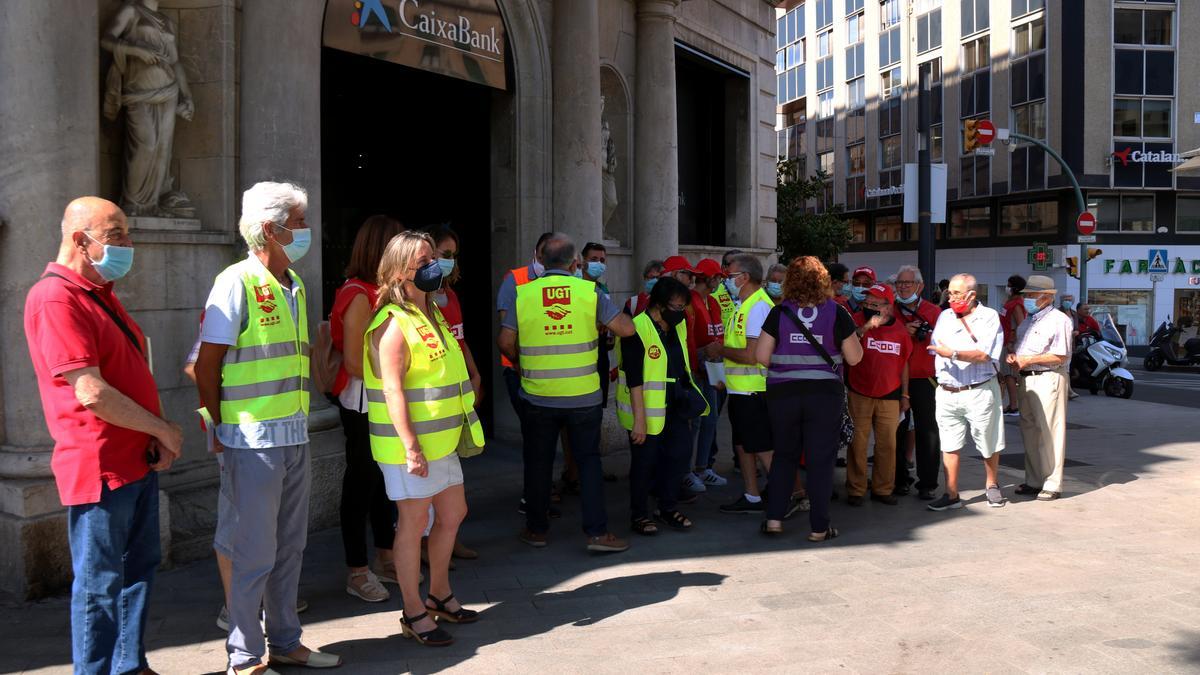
[(1039, 256)]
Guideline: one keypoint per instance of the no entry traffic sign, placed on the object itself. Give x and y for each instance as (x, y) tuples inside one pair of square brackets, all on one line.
[(1086, 223), (986, 131)]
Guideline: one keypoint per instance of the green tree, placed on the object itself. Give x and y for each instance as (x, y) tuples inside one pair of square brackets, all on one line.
[(803, 232)]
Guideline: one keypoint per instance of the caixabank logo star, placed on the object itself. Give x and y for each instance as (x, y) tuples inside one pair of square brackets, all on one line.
[(365, 9)]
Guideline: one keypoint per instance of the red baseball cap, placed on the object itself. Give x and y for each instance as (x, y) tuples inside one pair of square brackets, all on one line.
[(677, 263), (881, 291), (707, 267), (864, 270)]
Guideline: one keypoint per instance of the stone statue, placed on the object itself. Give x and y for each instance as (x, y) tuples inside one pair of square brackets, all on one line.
[(609, 170), (147, 79)]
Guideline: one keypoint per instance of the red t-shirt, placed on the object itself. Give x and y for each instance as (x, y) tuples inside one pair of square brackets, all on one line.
[(66, 330), (885, 351), (637, 304), (453, 315), (1010, 308), (844, 302), (1087, 323), (920, 363), (716, 327), (341, 302), (697, 330)]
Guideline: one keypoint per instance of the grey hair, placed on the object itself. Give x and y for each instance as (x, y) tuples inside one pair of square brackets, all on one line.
[(777, 267), (558, 252), (750, 264), (655, 266), (967, 279), (916, 272), (268, 202)]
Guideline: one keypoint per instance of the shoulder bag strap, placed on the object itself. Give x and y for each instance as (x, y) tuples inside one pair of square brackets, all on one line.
[(107, 310), (791, 314), (976, 341)]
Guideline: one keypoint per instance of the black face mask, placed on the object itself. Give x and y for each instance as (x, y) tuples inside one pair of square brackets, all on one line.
[(429, 277), (673, 316), (869, 313)]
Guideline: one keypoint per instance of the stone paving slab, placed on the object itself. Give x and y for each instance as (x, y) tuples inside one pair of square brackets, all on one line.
[(1104, 580)]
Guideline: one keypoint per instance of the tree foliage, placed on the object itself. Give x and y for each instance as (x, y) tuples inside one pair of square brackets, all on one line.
[(803, 231)]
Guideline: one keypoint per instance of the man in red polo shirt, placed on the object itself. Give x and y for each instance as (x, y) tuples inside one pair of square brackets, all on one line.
[(918, 316), (101, 405), (878, 396)]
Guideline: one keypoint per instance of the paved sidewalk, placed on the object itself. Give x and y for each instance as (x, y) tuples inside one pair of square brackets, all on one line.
[(1104, 580)]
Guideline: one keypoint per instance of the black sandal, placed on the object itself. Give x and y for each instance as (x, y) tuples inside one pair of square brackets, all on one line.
[(1024, 489), (460, 615), (430, 638), (823, 536), (673, 519), (644, 527)]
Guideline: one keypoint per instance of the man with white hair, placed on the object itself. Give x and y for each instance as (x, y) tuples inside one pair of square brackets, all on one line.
[(252, 374), (110, 438), (919, 317)]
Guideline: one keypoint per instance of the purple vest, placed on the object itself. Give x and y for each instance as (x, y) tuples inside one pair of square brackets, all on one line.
[(794, 357)]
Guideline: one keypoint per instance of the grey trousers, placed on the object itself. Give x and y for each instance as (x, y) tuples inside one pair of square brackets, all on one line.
[(268, 503)]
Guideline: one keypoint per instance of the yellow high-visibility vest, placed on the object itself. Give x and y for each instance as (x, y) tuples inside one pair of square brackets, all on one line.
[(740, 376), (654, 376), (557, 337), (727, 303), (265, 375), (437, 389)]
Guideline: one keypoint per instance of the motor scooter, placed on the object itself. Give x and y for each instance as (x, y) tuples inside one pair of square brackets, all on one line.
[(1099, 361), (1166, 350)]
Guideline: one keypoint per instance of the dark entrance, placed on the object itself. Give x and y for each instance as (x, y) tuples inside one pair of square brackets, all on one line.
[(415, 146)]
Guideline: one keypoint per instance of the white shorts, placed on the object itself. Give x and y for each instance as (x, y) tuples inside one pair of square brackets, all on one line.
[(974, 410), (401, 484)]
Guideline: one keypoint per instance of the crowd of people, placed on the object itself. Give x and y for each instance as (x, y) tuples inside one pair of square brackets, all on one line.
[(810, 359)]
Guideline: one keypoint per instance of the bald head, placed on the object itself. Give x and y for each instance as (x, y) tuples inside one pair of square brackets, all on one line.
[(95, 215)]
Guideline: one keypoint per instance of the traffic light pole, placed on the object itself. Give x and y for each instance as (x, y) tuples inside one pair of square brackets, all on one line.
[(926, 252), (1083, 247)]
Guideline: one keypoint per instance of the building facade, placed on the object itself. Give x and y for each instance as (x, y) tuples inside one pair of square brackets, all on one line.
[(1109, 85), (647, 125)]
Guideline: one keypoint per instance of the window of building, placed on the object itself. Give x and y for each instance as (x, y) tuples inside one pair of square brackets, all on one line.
[(970, 222), (1122, 213), (1142, 27), (888, 228), (1187, 214), (856, 125), (824, 40), (975, 88), (791, 137), (1023, 7), (889, 179), (856, 193), (1130, 310), (858, 230), (825, 162), (889, 13), (824, 9), (857, 159), (825, 104), (854, 61), (856, 96), (790, 46), (890, 139), (1144, 87), (889, 47), (974, 14), (825, 73), (929, 31), (933, 69), (890, 153), (854, 29), (825, 134), (1025, 219), (889, 117), (1027, 74)]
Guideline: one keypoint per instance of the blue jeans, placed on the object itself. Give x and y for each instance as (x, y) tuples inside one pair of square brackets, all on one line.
[(114, 552), (704, 429), (540, 427)]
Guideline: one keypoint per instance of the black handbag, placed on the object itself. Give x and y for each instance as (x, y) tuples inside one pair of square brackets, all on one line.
[(847, 433), (686, 402)]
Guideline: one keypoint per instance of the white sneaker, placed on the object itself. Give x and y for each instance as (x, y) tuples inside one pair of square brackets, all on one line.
[(369, 590), (693, 483), (223, 619), (710, 477)]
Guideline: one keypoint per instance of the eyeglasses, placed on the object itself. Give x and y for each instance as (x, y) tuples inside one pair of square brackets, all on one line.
[(958, 294), (905, 284), (863, 284)]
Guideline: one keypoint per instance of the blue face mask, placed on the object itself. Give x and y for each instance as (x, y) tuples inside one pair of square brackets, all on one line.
[(858, 293), (908, 300), (447, 265), (732, 287), (596, 269), (774, 289), (115, 263), (649, 284), (301, 240), (539, 270), (578, 273), (429, 277), (1031, 305), (1067, 304)]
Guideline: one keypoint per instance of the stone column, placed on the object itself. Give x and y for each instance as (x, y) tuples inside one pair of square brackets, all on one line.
[(49, 139), (578, 157), (656, 133)]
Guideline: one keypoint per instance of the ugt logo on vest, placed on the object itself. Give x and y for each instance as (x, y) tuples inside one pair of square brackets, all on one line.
[(654, 352), (266, 307), (263, 293), (883, 346), (429, 338), (555, 299)]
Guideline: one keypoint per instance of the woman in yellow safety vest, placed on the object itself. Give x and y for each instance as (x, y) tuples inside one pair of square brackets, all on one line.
[(420, 410), (656, 401)]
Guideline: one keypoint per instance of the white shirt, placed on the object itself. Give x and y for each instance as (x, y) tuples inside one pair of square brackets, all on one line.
[(225, 317), (1046, 332), (989, 339)]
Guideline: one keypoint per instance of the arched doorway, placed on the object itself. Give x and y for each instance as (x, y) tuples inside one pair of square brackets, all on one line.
[(429, 149)]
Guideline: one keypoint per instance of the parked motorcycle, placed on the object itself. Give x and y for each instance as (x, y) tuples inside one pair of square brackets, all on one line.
[(1099, 361), (1166, 350)]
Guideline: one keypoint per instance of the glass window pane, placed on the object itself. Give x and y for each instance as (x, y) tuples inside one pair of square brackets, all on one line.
[(1137, 214), (1187, 214), (922, 34), (1160, 73), (895, 45), (1156, 118), (1018, 182), (1128, 77), (1127, 117), (983, 176), (1127, 26), (967, 97), (1020, 82), (1020, 45), (1158, 174), (967, 12), (981, 14), (983, 91), (781, 32), (1158, 28), (1037, 77), (935, 29), (1107, 209), (1037, 35)]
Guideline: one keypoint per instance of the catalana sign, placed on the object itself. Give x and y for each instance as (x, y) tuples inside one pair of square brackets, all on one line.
[(1146, 156), (458, 38)]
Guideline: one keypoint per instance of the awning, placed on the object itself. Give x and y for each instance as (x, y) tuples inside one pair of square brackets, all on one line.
[(1192, 164)]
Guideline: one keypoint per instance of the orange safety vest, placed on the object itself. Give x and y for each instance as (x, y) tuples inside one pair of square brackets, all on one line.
[(521, 276)]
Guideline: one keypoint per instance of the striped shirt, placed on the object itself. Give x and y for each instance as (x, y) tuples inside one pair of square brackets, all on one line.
[(989, 338)]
